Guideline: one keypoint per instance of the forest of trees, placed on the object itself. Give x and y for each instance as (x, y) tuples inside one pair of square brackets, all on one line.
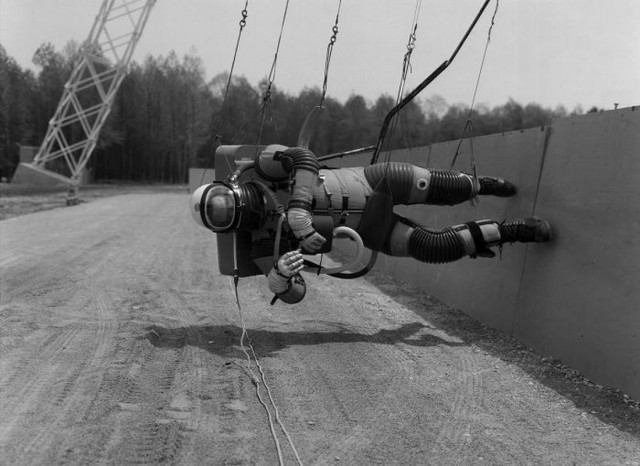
[(167, 117)]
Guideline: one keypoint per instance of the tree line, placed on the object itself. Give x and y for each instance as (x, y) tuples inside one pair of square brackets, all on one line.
[(167, 117)]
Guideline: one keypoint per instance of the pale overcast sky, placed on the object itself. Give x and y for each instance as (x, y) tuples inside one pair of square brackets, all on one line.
[(551, 52)]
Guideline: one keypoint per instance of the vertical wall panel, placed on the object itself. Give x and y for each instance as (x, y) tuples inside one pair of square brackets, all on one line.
[(576, 299), (580, 298), (484, 288)]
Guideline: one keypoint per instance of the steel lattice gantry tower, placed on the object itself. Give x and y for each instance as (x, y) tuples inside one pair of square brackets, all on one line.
[(88, 95)]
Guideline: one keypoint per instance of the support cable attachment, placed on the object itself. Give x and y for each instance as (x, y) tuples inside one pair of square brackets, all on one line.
[(266, 98), (406, 69), (428, 80), (327, 61), (468, 126)]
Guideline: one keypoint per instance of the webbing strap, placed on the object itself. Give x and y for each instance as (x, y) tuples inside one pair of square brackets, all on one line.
[(476, 234)]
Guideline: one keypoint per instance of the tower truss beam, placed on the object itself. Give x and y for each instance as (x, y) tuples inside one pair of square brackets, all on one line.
[(89, 93)]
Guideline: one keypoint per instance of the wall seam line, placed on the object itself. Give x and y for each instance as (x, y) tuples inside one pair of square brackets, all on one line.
[(516, 312)]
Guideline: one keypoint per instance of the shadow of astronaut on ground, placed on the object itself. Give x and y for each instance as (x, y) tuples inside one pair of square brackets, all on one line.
[(224, 340)]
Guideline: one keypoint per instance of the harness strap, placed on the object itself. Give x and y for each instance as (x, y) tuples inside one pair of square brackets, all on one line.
[(327, 193), (476, 234)]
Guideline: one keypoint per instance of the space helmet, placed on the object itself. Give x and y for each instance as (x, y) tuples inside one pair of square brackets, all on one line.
[(223, 207)]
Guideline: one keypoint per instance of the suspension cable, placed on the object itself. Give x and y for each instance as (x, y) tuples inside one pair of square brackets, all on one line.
[(327, 61), (468, 126), (411, 43), (242, 24), (266, 99), (428, 80), (406, 69)]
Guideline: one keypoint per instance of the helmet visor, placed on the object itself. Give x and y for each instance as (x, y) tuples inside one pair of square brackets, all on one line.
[(220, 207)]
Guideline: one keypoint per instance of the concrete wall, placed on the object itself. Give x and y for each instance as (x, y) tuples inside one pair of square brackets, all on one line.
[(28, 174), (28, 153), (578, 298)]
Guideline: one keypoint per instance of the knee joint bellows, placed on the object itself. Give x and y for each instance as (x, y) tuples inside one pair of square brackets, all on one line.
[(449, 187), (435, 247)]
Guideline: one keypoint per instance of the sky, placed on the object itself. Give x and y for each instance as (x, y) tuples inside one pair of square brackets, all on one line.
[(551, 52)]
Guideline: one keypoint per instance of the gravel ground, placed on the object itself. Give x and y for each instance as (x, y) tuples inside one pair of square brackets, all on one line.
[(18, 200), (120, 343)]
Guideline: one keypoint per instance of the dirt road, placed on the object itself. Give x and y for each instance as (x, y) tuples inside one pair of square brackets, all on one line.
[(120, 343)]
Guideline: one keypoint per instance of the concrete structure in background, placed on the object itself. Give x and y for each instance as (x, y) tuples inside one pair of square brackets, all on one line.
[(576, 299), (90, 91), (32, 175), (87, 98), (28, 174)]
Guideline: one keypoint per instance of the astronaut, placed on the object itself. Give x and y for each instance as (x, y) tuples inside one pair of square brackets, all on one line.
[(284, 199)]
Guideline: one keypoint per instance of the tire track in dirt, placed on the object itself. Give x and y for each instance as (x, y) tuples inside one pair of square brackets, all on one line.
[(235, 424), (370, 378), (156, 402), (159, 407), (141, 436), (32, 372), (452, 428), (117, 392), (70, 403), (86, 347), (68, 287), (143, 336), (140, 386), (213, 405), (387, 355), (40, 376), (133, 389), (454, 438), (344, 373)]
